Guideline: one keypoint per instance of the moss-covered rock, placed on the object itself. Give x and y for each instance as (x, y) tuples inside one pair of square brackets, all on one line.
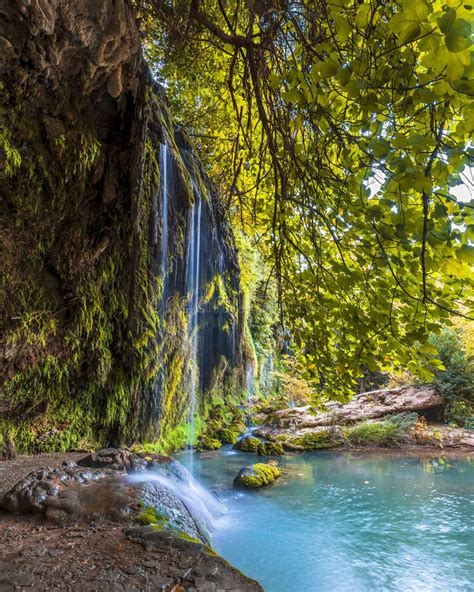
[(208, 443), (270, 449), (316, 440), (256, 476), (150, 515), (229, 435), (247, 444)]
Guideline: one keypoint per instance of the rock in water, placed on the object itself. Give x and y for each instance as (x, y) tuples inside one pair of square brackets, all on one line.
[(247, 444), (256, 476)]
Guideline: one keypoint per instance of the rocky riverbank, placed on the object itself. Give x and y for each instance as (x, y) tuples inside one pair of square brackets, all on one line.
[(83, 524), (405, 417)]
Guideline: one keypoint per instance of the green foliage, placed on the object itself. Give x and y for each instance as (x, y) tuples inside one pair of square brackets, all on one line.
[(456, 382), (338, 132)]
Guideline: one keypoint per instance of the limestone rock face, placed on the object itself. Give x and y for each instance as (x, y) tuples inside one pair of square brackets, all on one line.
[(300, 429), (102, 200), (371, 405), (81, 46)]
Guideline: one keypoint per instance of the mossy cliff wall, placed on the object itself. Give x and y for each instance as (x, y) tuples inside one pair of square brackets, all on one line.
[(95, 297)]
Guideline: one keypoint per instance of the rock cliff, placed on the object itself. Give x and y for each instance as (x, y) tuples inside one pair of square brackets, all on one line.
[(120, 278)]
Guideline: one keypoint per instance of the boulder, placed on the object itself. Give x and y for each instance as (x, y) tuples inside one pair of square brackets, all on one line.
[(247, 444), (208, 443), (270, 449), (256, 476), (229, 435), (444, 436)]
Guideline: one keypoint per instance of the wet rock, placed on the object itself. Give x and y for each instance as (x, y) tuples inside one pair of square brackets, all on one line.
[(270, 449), (229, 435), (30, 495), (84, 493), (247, 444), (208, 443), (256, 476), (206, 571)]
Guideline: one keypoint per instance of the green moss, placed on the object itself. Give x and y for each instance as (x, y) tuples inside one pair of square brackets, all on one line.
[(379, 433), (257, 475), (79, 297), (318, 440), (270, 449), (208, 443), (150, 515), (229, 435), (248, 444)]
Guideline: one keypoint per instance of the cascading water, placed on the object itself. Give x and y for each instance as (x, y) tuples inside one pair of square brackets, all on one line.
[(250, 388), (204, 508), (164, 213), (249, 380), (164, 263), (193, 283)]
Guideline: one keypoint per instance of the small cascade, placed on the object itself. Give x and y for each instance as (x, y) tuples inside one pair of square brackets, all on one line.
[(204, 507), (193, 283)]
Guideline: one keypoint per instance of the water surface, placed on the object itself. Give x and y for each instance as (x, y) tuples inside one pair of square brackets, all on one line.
[(346, 522)]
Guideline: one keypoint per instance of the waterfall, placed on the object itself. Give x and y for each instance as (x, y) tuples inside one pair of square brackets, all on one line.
[(164, 262), (164, 212), (267, 373), (249, 380), (204, 507), (192, 280)]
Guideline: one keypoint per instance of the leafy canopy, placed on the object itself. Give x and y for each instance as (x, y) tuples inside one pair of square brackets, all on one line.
[(337, 131)]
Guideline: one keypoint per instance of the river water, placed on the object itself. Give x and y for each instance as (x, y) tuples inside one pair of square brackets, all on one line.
[(347, 522)]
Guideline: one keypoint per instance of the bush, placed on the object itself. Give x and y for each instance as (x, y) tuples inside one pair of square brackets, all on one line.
[(455, 383)]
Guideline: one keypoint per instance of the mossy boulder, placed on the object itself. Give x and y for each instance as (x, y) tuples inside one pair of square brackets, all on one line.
[(256, 476), (208, 443), (314, 440), (229, 435), (270, 449), (248, 444)]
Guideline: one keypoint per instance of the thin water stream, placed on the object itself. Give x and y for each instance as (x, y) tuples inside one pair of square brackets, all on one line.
[(346, 522), (193, 284)]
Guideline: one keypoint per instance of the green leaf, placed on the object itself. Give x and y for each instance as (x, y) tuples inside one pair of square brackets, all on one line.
[(458, 36), (466, 254)]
